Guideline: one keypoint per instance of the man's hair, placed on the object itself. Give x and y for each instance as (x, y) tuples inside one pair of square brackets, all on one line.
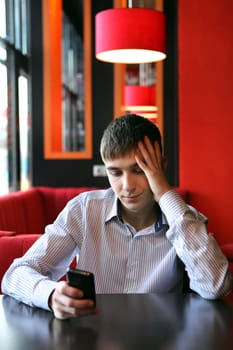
[(123, 133)]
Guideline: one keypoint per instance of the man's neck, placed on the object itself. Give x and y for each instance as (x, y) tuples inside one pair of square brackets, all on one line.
[(141, 220)]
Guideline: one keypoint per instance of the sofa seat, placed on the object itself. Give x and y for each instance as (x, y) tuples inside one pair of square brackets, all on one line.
[(12, 247)]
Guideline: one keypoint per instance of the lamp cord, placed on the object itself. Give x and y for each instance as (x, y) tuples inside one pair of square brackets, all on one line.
[(130, 3)]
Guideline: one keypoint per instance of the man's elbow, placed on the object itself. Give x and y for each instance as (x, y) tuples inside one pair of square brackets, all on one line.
[(218, 290)]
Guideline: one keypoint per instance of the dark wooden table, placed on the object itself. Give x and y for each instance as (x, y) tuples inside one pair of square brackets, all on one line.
[(125, 322)]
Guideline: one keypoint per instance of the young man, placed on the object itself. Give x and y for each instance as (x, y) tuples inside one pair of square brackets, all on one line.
[(136, 237)]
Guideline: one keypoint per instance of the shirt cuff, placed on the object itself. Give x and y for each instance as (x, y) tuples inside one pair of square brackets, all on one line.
[(42, 293)]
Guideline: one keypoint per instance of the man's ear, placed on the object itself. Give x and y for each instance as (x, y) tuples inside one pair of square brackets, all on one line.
[(164, 162)]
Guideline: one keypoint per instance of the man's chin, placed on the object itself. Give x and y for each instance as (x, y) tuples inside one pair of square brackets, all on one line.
[(134, 207)]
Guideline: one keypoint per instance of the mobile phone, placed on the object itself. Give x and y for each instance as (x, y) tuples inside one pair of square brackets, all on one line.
[(83, 280)]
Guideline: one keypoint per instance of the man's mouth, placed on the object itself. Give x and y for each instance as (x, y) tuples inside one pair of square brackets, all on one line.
[(131, 198)]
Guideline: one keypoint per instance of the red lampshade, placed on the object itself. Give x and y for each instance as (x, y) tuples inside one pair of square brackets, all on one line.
[(130, 35), (140, 98)]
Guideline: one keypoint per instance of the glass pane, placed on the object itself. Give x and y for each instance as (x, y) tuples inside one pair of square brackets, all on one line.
[(24, 133), (25, 22), (14, 23), (9, 20), (4, 154), (2, 19), (17, 22)]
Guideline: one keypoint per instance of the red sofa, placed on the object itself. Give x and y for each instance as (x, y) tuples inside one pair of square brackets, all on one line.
[(24, 215)]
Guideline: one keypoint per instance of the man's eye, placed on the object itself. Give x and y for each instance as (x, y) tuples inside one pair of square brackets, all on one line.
[(115, 173), (138, 170)]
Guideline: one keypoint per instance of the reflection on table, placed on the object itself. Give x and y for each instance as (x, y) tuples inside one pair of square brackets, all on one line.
[(124, 322)]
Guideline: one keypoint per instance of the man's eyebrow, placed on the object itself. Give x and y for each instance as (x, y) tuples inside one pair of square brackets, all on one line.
[(131, 166), (135, 165), (113, 168)]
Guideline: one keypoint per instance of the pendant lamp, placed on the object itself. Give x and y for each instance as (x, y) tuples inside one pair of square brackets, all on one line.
[(140, 98), (130, 35)]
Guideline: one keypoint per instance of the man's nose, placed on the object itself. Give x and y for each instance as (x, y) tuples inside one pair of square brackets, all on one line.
[(128, 182)]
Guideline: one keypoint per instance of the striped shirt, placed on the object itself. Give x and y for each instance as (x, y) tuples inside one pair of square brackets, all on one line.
[(123, 261)]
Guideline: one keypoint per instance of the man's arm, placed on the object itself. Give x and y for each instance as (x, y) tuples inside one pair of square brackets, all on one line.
[(32, 277), (207, 267)]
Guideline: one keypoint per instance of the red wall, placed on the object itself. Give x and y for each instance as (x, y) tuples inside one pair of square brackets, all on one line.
[(205, 90)]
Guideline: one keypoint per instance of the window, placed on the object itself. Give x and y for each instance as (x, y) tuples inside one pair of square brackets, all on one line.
[(15, 170), (4, 156)]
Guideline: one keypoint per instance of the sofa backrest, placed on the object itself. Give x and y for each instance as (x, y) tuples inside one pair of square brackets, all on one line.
[(55, 199), (22, 212), (30, 211)]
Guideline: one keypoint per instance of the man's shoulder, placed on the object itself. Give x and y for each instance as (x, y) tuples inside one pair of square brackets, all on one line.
[(99, 193), (103, 195)]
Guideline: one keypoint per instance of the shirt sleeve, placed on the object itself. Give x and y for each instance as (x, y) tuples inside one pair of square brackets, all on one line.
[(207, 267), (27, 285), (32, 277)]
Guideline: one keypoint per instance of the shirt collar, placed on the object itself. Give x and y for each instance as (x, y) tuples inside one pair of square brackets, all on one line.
[(114, 211), (161, 223)]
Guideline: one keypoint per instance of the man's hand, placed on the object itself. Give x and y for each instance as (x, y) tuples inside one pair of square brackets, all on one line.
[(67, 302), (151, 161)]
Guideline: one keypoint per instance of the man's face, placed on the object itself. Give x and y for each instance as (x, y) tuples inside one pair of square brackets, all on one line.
[(129, 183)]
